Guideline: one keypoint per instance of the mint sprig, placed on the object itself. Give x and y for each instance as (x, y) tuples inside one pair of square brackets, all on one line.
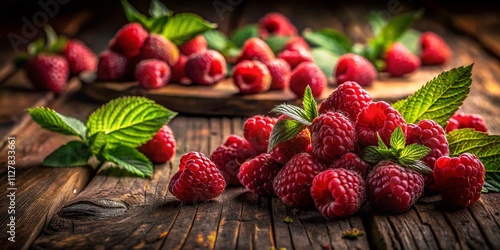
[(329, 39)]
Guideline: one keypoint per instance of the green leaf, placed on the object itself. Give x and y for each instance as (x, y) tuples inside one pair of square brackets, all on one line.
[(486, 147), (325, 59), (244, 33), (158, 9), (438, 99), (491, 182), (277, 43), (129, 121), (75, 153), (134, 16), (421, 167), (97, 142), (155, 25), (36, 47), (293, 112), (51, 36), (398, 140), (410, 39), (59, 45), (53, 121), (309, 104), (329, 39), (377, 22), (413, 153), (284, 130), (371, 155), (131, 160), (216, 40), (185, 26), (381, 143)]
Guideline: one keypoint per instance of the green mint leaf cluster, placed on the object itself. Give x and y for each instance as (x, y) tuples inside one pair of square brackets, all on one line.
[(112, 134)]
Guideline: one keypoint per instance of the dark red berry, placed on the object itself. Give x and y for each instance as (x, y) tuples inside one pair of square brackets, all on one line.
[(257, 130), (251, 77), (462, 120), (257, 174), (351, 161), (161, 148)]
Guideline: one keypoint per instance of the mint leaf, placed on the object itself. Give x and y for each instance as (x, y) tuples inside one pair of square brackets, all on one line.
[(411, 40), (309, 104), (128, 121), (325, 59), (277, 43), (381, 143), (371, 155), (329, 39), (244, 33), (131, 160), (218, 41), (377, 22), (53, 121), (491, 182), (438, 99), (284, 130), (36, 47), (97, 142), (134, 16), (398, 139), (75, 153), (413, 153), (184, 27), (421, 167), (158, 9), (293, 112)]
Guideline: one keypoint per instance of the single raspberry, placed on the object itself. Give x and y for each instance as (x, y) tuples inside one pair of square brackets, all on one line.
[(393, 188), (378, 117), (257, 174), (434, 50), (48, 71), (80, 57), (198, 179), (161, 148), (206, 67), (111, 66), (338, 192), (158, 47), (351, 161), (179, 71), (352, 67), (332, 135), (400, 61), (462, 120), (307, 74), (296, 43), (459, 179), (257, 130), (293, 182), (128, 40), (229, 156), (251, 77), (255, 49), (284, 151), (430, 134), (349, 98), (276, 24), (280, 73), (152, 73), (296, 56), (195, 45)]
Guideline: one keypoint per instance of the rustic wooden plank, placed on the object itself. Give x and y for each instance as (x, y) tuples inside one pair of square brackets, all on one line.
[(484, 216), (335, 227), (256, 227)]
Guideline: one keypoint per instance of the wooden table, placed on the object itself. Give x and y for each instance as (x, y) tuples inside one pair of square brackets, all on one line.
[(77, 208)]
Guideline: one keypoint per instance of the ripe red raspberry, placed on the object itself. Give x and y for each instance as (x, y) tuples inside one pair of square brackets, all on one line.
[(349, 98), (284, 151), (392, 188), (195, 45), (293, 182), (434, 50), (338, 192), (251, 77), (332, 135), (378, 117), (161, 148), (152, 73), (198, 179), (255, 49), (128, 40), (296, 43), (296, 56), (400, 61), (80, 57), (307, 74), (179, 71), (276, 24), (351, 161), (459, 179), (206, 67), (352, 67), (48, 71), (111, 66), (257, 130), (429, 133), (229, 156), (280, 73), (257, 174), (461, 120), (158, 47)]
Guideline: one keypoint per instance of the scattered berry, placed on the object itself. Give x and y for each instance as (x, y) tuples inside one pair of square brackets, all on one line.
[(307, 74), (195, 45), (352, 67), (257, 130), (255, 49), (284, 151), (206, 67), (80, 57), (461, 120), (251, 77), (179, 71), (161, 148), (280, 73), (276, 24), (400, 61), (128, 40), (434, 49), (351, 161), (111, 66), (152, 73), (48, 71), (296, 43), (257, 174), (158, 47), (296, 56)]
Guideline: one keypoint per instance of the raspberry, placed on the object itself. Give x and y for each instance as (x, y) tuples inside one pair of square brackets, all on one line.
[(276, 24), (158, 47), (197, 44), (251, 77), (152, 73), (257, 130), (332, 135), (296, 56), (293, 182), (280, 73), (338, 192), (393, 188), (378, 117), (229, 156), (349, 98), (284, 151), (400, 61), (179, 71), (80, 57), (255, 49), (434, 49), (161, 148), (429, 133), (198, 179), (47, 71), (461, 120), (111, 66), (352, 67), (128, 40), (257, 174), (206, 67), (307, 74), (296, 43), (351, 161), (459, 179)]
